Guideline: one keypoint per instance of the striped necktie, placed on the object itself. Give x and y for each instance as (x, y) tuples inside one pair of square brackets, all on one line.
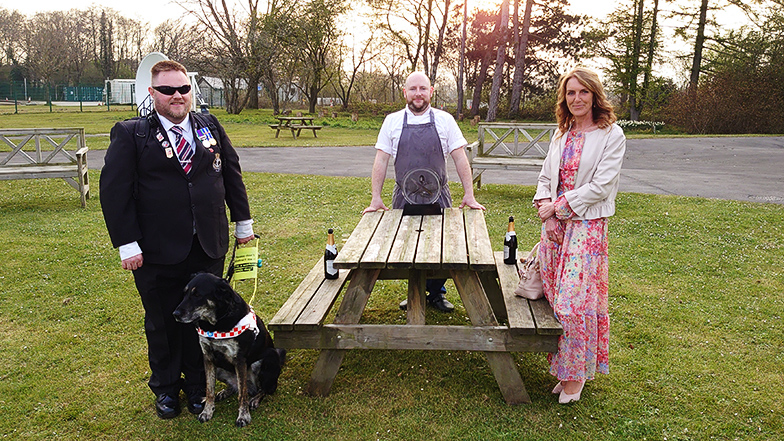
[(184, 149)]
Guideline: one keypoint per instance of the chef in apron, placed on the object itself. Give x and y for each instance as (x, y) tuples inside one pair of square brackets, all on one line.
[(421, 137)]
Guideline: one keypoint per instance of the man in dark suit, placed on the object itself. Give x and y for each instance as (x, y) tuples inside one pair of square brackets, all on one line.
[(164, 188)]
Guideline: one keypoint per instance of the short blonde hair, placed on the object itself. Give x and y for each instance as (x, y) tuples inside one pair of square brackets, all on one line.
[(166, 66), (601, 110)]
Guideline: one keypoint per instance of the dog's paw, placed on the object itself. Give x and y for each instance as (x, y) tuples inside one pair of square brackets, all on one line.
[(205, 415), (243, 420), (255, 400), (225, 393)]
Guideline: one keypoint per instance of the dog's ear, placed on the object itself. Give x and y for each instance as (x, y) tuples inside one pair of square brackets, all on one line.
[(230, 300)]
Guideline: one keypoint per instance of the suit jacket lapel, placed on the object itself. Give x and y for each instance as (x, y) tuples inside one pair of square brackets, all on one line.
[(198, 148)]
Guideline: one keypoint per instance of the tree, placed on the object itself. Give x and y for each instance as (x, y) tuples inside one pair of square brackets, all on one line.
[(45, 45), (181, 42), (521, 47), (500, 59), (107, 49), (274, 58), (699, 43), (11, 28), (741, 79), (628, 39), (461, 65), (316, 35), (480, 54), (343, 81), (554, 41), (229, 50), (411, 23)]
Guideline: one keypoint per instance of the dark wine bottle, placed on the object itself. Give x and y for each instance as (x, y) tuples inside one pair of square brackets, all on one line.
[(510, 243), (330, 253)]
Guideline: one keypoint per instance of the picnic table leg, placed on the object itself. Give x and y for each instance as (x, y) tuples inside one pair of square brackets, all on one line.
[(351, 308), (494, 294), (480, 312), (415, 311)]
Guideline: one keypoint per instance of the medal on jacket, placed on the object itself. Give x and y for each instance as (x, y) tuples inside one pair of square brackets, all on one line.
[(202, 134), (205, 136), (216, 164)]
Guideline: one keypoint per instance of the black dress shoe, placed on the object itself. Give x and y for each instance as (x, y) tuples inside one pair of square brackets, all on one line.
[(196, 403), (440, 302), (167, 406)]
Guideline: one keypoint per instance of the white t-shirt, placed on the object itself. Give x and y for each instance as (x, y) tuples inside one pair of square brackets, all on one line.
[(446, 126)]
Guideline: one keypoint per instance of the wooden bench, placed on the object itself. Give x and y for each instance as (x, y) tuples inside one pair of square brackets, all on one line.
[(42, 163), (509, 146), (301, 127), (523, 315), (296, 129), (310, 303)]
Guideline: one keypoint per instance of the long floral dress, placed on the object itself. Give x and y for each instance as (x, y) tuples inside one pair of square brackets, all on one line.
[(575, 279)]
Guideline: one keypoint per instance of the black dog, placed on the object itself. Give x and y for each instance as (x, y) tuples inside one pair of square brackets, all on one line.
[(237, 348)]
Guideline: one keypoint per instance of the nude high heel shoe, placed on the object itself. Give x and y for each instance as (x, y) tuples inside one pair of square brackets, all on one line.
[(565, 398), (558, 388)]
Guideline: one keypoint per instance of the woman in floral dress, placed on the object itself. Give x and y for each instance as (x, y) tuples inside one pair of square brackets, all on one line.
[(575, 195)]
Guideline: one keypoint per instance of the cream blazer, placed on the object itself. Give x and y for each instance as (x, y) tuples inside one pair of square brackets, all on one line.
[(598, 175)]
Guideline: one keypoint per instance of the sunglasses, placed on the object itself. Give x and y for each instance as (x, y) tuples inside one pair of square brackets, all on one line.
[(169, 90)]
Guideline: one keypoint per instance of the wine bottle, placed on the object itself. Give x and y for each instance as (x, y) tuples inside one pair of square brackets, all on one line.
[(510, 243), (330, 253)]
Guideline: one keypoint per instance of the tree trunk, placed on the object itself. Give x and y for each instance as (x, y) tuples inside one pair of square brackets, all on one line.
[(253, 93), (520, 51), (426, 39), (439, 45), (313, 98), (461, 66), (480, 80), (498, 73), (649, 63), (698, 44), (634, 71), (272, 93)]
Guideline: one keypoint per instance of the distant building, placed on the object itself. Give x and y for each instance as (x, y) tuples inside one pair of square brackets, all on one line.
[(212, 91), (329, 101), (120, 91)]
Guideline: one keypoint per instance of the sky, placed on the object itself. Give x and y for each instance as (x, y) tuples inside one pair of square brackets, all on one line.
[(155, 12)]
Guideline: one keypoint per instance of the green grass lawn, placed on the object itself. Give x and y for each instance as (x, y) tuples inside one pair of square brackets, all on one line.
[(248, 129), (696, 298)]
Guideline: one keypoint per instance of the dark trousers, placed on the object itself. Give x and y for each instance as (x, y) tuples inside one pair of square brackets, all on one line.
[(173, 348), (435, 286)]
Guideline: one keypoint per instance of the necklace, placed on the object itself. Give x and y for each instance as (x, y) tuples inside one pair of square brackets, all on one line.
[(581, 130)]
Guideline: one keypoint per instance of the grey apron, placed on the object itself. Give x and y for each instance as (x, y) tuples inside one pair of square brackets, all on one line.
[(419, 147)]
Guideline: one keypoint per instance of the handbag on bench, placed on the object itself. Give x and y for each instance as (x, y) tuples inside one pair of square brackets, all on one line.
[(530, 286)]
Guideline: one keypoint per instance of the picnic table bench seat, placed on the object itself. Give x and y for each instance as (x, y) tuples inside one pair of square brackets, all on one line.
[(524, 316), (310, 303)]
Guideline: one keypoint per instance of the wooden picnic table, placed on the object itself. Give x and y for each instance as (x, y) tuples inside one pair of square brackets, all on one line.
[(388, 245), (296, 124)]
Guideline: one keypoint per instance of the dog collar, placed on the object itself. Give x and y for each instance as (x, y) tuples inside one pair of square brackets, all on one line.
[(247, 322)]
